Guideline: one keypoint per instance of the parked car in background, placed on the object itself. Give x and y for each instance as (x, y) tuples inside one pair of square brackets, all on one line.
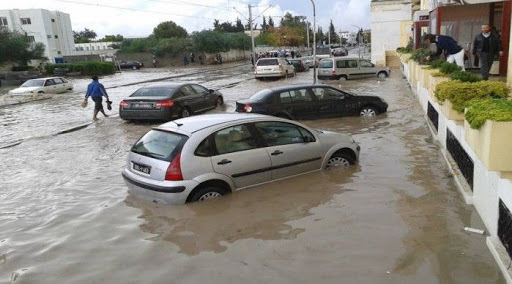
[(340, 51), (299, 65), (168, 101), (323, 52), (311, 102), (50, 85), (349, 68), (205, 157), (130, 65), (273, 67), (308, 60)]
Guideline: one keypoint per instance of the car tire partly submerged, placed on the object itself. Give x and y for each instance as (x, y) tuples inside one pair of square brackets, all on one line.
[(208, 193), (185, 112), (368, 111), (340, 160), (219, 102)]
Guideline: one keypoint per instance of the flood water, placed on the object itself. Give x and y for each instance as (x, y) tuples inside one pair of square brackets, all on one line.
[(395, 217)]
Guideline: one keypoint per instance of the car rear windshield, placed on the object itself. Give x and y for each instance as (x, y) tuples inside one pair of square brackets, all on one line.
[(261, 95), (325, 64), (268, 62), (153, 92), (161, 145)]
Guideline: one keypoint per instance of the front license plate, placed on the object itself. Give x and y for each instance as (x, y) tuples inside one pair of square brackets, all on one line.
[(142, 168), (143, 105)]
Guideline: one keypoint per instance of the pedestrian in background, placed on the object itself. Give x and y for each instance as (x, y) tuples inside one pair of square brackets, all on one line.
[(185, 60), (192, 57), (96, 91), (487, 46), (448, 46), (201, 61)]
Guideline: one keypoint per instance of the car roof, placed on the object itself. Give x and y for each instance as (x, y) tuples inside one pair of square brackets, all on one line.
[(192, 124), (173, 85), (46, 78), (297, 86)]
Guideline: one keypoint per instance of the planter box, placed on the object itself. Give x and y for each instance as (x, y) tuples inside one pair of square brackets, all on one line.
[(412, 71), (425, 76), (432, 84), (450, 113), (405, 58), (491, 143)]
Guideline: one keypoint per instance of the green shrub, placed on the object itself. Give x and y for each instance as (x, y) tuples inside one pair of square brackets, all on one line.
[(436, 63), (493, 109), (404, 50), (448, 68), (85, 68), (420, 55), (461, 93), (464, 76)]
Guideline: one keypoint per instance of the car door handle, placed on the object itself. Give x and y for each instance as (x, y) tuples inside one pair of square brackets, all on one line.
[(223, 162), (276, 152)]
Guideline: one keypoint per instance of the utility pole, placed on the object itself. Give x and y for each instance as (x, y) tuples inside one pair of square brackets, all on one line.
[(252, 35), (307, 33), (314, 42)]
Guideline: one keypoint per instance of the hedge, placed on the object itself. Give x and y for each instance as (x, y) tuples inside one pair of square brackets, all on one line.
[(493, 109), (85, 68)]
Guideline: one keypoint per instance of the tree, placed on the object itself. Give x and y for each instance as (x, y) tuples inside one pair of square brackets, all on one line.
[(169, 29), (264, 26), (15, 47), (216, 25), (239, 25), (332, 33), (116, 38), (320, 37), (84, 36), (270, 22)]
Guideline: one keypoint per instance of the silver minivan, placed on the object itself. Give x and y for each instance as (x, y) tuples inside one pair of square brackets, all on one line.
[(203, 157), (349, 68), (273, 67)]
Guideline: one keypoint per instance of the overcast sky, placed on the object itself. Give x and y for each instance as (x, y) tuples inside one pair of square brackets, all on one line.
[(137, 18)]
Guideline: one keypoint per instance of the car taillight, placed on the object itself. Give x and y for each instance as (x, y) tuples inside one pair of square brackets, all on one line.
[(174, 170), (124, 104), (167, 103), (247, 108)]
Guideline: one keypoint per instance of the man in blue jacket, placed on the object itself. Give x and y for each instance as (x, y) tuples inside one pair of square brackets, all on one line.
[(446, 44), (96, 91)]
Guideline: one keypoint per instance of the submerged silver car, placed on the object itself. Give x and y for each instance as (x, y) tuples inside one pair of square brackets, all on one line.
[(204, 157)]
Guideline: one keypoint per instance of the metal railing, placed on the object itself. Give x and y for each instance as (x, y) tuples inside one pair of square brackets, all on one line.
[(460, 157), (505, 227), (433, 115)]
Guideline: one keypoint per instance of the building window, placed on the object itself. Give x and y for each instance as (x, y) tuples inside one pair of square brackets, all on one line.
[(53, 20), (25, 21), (3, 21), (56, 36), (48, 36), (31, 39), (58, 52)]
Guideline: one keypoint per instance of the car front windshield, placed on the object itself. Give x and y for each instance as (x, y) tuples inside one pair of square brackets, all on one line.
[(153, 92), (33, 83)]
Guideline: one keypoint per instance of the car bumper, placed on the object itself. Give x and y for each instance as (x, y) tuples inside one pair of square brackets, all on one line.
[(163, 114), (267, 75), (164, 192), (330, 77)]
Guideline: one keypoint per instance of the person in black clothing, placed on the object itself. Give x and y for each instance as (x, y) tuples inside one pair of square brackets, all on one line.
[(487, 46)]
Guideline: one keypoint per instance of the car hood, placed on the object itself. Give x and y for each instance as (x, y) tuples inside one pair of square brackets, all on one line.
[(329, 138), (246, 101), (24, 90)]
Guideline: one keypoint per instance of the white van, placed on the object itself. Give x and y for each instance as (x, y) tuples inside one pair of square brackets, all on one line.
[(349, 68)]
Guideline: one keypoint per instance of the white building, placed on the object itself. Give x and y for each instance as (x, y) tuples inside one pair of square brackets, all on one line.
[(96, 48), (52, 28), (391, 27)]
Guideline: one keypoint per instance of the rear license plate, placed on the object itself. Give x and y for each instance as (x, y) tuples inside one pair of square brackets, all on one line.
[(142, 168), (142, 105)]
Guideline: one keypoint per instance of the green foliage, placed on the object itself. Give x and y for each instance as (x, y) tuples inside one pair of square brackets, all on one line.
[(14, 47), (436, 64), (493, 109), (115, 38), (85, 68), (170, 46), (84, 36), (404, 50), (213, 42), (464, 76), (448, 68), (138, 45), (460, 93), (420, 55), (169, 29)]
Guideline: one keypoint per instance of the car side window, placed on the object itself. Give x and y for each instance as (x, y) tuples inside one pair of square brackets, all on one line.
[(187, 91), (49, 82), (328, 94), (234, 139), (204, 148), (200, 89), (58, 80), (285, 98), (279, 133), (364, 63), (341, 64), (308, 137), (352, 63), (300, 96)]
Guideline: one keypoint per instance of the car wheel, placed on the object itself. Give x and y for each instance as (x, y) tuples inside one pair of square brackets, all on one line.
[(185, 112), (343, 78), (286, 74), (208, 193), (219, 101), (382, 75), (340, 160), (368, 111)]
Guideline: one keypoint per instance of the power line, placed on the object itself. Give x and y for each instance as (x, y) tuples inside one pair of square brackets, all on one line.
[(189, 4)]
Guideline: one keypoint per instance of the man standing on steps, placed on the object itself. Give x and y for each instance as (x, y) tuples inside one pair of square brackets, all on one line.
[(487, 46), (96, 91)]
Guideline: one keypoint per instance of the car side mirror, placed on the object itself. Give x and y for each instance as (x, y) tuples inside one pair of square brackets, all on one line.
[(211, 91)]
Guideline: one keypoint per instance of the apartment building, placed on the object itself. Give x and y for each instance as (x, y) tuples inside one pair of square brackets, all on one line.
[(52, 28)]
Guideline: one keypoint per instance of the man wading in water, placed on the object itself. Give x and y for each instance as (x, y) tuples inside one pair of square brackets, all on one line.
[(96, 91)]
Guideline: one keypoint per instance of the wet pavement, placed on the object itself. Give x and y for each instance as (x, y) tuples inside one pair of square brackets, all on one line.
[(395, 217)]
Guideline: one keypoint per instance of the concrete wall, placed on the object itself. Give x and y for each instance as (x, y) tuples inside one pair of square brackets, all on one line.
[(388, 17)]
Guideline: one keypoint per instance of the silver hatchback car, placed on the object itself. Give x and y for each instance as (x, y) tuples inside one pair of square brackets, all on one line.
[(204, 157)]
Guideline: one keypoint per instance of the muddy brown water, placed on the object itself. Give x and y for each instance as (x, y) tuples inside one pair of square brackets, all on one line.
[(395, 217)]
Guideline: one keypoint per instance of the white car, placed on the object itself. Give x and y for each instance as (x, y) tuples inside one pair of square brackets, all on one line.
[(51, 85), (273, 67)]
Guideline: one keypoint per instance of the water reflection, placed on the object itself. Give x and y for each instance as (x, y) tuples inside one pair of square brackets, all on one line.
[(261, 212)]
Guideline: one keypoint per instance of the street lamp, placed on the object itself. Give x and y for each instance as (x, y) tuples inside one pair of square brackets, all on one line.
[(314, 42)]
